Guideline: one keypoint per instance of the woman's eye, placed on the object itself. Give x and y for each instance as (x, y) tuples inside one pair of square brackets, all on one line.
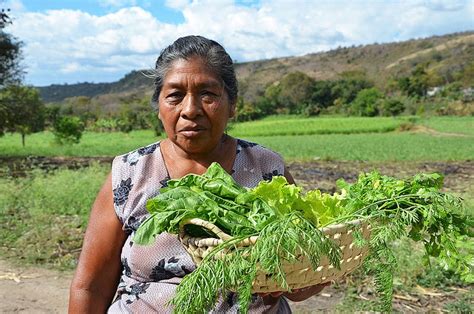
[(209, 96), (175, 97)]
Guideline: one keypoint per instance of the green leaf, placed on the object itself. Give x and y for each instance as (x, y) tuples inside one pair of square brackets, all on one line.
[(147, 231)]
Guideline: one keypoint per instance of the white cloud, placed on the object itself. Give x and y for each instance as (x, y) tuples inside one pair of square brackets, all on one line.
[(14, 5), (117, 3), (70, 67), (177, 4), (68, 42)]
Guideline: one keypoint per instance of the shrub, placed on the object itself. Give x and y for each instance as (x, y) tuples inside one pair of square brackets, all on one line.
[(105, 125), (68, 130), (391, 107), (366, 103), (156, 123), (310, 110)]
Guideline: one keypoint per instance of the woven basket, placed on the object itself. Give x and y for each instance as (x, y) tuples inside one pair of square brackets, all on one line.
[(299, 274)]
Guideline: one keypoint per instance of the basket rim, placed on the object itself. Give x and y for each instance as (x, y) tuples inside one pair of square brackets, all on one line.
[(198, 241)]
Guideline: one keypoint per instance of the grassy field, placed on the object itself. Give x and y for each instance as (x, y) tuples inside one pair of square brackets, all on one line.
[(43, 216), (92, 144), (331, 138)]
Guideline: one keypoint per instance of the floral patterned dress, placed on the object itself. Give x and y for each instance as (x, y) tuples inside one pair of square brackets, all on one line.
[(151, 273)]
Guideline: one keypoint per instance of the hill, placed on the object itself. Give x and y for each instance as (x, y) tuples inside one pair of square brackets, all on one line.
[(445, 55)]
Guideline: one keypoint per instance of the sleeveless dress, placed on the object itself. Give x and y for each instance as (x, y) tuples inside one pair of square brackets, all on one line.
[(151, 273)]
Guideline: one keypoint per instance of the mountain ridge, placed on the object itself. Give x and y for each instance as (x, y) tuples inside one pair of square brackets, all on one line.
[(378, 63)]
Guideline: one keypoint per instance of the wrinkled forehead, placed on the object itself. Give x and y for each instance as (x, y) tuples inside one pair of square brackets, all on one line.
[(194, 68)]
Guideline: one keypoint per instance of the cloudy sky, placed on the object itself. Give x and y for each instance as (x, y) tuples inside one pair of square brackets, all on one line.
[(100, 41)]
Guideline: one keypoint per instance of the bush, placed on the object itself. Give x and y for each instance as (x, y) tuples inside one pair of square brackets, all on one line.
[(156, 123), (246, 111), (68, 130), (366, 103), (391, 107), (310, 110), (125, 125), (105, 125)]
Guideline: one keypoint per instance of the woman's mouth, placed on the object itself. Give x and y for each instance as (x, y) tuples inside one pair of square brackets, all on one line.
[(192, 132)]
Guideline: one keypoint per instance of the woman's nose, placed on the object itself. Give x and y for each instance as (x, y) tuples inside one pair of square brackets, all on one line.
[(192, 107)]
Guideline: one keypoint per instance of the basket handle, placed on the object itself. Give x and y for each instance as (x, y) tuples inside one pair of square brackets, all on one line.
[(206, 224)]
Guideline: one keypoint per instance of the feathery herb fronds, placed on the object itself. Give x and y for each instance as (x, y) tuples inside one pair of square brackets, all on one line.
[(287, 225)]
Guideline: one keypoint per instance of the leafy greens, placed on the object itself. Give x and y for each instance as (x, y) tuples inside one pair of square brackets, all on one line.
[(286, 221)]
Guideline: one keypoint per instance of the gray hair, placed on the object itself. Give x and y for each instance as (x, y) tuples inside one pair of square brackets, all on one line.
[(209, 50)]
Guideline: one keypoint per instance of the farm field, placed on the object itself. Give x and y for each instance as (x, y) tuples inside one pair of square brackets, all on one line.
[(44, 213), (329, 138), (287, 125), (371, 147)]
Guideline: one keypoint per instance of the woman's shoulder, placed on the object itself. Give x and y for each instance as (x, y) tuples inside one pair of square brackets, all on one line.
[(137, 176), (133, 157), (257, 150), (137, 164), (255, 162)]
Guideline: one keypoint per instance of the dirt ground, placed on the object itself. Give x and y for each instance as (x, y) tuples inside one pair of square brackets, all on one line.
[(38, 290), (33, 290)]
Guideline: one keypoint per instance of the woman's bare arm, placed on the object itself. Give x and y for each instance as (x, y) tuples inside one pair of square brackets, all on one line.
[(98, 272)]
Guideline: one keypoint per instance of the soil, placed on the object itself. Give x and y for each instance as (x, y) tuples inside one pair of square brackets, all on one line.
[(39, 290), (33, 290)]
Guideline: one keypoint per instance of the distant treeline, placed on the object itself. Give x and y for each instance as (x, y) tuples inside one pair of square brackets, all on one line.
[(60, 92), (355, 94)]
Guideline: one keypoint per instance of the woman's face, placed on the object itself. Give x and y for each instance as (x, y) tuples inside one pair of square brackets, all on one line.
[(194, 106)]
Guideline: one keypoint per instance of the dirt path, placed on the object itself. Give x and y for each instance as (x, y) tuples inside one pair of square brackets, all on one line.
[(33, 290)]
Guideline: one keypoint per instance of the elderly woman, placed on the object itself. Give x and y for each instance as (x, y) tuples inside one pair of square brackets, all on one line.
[(196, 93)]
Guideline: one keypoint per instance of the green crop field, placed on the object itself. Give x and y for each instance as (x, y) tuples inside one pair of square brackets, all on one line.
[(461, 125), (92, 144), (296, 138), (319, 125), (371, 147)]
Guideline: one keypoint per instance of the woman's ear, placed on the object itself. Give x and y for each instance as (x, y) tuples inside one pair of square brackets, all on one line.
[(232, 110), (157, 108)]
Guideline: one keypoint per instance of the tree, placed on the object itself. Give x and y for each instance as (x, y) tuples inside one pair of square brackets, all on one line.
[(415, 85), (346, 90), (21, 110), (391, 107), (322, 94), (246, 111), (366, 103), (10, 53), (296, 89), (68, 130)]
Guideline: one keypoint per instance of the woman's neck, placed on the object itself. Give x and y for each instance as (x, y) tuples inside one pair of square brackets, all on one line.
[(179, 162)]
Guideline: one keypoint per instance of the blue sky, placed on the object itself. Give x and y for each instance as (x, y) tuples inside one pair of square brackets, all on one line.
[(157, 7), (100, 41)]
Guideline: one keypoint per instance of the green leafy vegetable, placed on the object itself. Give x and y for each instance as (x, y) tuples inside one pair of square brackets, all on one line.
[(286, 221), (283, 240)]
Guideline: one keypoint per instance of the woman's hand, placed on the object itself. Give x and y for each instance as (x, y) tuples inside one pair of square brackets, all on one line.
[(297, 295)]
